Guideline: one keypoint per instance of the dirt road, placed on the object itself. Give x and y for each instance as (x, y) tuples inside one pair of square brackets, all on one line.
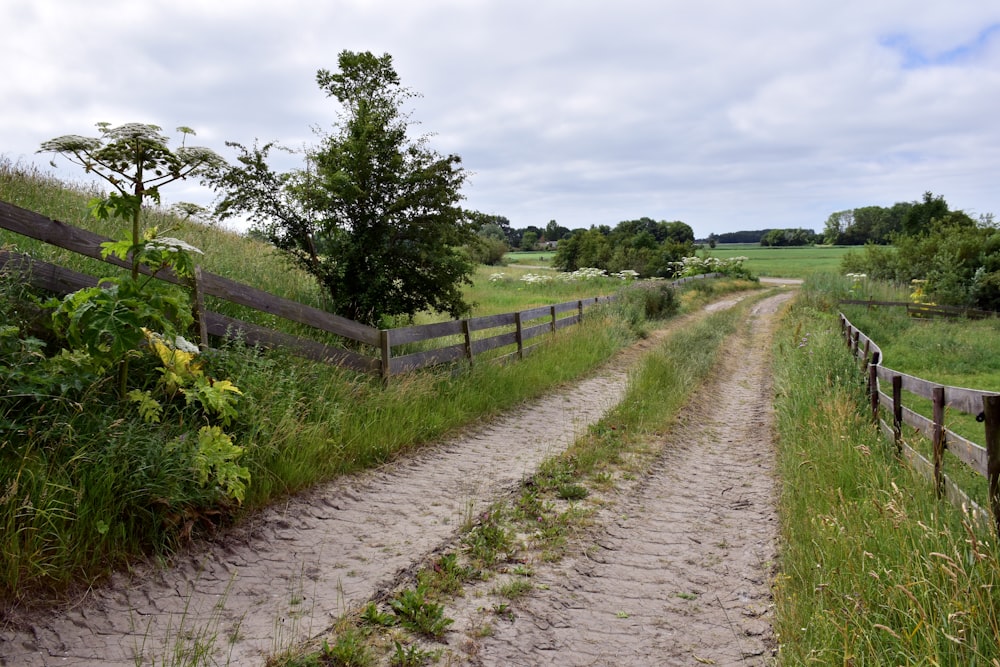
[(678, 570), (290, 571)]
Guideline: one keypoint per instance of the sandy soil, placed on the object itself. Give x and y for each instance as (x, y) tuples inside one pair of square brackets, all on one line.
[(692, 529), (677, 569)]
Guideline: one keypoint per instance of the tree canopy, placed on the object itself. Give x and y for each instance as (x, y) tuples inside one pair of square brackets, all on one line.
[(956, 258), (644, 245), (374, 215), (883, 225)]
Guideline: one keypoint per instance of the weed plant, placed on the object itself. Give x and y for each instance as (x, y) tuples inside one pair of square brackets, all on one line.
[(874, 569)]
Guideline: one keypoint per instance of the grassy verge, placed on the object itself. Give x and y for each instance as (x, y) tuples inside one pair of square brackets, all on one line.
[(874, 570), (405, 626)]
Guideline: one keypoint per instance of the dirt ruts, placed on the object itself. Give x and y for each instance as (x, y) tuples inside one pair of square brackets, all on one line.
[(677, 570), (292, 569)]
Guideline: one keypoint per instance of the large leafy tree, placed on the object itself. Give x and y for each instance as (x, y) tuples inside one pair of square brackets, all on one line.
[(374, 215)]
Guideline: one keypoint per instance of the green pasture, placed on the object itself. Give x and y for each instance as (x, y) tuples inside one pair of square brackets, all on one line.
[(762, 261), (532, 258), (783, 262)]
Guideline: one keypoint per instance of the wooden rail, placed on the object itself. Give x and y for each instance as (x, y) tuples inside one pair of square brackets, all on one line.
[(926, 310), (460, 339), (984, 405)]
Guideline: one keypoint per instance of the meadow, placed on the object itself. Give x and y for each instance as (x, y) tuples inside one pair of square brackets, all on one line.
[(783, 262), (762, 261)]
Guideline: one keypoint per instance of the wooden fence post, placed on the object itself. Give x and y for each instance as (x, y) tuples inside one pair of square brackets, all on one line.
[(873, 385), (579, 307), (854, 342), (467, 332), (386, 349), (991, 411), (552, 324), (937, 397), (199, 310), (519, 335), (897, 413)]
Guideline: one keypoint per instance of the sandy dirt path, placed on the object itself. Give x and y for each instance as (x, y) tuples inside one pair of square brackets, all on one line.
[(286, 574), (677, 570)]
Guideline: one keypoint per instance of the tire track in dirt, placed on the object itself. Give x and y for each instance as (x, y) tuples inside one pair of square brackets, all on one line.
[(289, 571), (678, 572)]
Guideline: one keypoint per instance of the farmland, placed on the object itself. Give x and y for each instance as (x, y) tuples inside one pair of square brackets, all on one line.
[(784, 262), (762, 261)]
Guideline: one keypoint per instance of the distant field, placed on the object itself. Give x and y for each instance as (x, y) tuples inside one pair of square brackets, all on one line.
[(539, 258), (777, 262), (784, 262)]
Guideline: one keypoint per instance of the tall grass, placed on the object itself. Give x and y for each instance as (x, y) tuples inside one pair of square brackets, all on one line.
[(874, 569)]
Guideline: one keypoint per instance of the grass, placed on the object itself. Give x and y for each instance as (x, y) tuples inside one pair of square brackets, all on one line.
[(874, 569), (956, 352), (783, 262), (529, 258)]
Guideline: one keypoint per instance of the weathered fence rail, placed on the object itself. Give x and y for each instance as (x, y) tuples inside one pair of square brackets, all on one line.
[(984, 405), (477, 335), (925, 309)]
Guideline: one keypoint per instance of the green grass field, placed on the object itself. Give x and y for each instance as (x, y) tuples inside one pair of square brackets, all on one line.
[(775, 262), (783, 262)]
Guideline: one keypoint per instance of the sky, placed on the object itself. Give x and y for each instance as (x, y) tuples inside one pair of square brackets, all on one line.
[(725, 114)]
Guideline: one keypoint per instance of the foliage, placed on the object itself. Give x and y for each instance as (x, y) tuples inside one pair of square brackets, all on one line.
[(789, 237), (417, 613), (880, 225), (373, 216), (644, 246), (959, 260), (135, 160), (697, 266)]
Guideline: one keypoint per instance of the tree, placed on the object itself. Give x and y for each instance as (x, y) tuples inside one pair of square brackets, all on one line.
[(374, 216)]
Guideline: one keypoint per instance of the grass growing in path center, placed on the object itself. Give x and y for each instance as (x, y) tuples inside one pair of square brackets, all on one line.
[(536, 523)]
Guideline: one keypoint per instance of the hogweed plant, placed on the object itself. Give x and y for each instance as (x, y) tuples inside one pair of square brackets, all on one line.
[(128, 318), (135, 160)]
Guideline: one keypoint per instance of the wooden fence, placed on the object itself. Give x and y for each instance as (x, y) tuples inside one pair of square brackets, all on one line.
[(984, 405), (925, 310), (475, 336)]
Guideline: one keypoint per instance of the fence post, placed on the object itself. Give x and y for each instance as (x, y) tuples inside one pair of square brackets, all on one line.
[(991, 411), (386, 353), (897, 413), (937, 396), (199, 310), (552, 325), (468, 340), (873, 385), (854, 343), (519, 336), (579, 307)]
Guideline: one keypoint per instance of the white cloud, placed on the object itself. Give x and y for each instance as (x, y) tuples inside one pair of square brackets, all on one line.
[(725, 115)]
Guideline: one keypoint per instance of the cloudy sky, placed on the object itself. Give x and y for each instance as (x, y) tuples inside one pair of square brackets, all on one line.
[(726, 114)]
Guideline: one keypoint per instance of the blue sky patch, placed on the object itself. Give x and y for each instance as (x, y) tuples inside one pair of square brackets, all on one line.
[(915, 58)]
